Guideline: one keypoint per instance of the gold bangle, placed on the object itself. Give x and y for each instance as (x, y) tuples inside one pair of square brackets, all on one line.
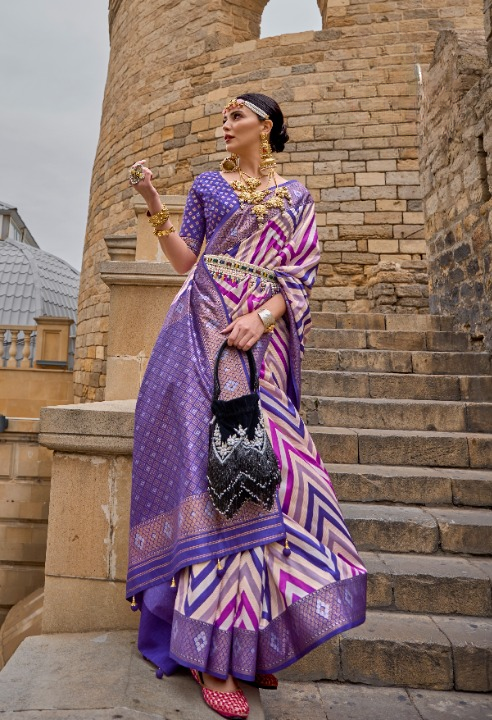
[(164, 233), (268, 319), (159, 218)]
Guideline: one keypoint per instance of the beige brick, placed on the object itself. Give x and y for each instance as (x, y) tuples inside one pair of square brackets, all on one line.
[(402, 178), (391, 205), (344, 180), (413, 218), (26, 461), (370, 178), (333, 293), (334, 218), (413, 246), (382, 246), (5, 459), (381, 165)]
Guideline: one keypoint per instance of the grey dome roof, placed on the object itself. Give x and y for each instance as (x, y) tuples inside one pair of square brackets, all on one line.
[(34, 283)]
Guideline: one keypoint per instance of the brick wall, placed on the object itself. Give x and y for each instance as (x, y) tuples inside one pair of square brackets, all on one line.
[(349, 93), (456, 165)]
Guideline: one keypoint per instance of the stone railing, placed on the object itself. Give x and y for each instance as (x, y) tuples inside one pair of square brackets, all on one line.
[(16, 345), (35, 366), (46, 344)]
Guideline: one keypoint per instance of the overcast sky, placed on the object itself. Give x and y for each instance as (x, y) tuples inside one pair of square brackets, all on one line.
[(53, 63)]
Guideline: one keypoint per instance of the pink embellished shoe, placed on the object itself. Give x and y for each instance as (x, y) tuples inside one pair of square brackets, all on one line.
[(265, 682), (232, 705)]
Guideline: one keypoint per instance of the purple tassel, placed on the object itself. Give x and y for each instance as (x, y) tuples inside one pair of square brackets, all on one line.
[(134, 604), (159, 673), (286, 551)]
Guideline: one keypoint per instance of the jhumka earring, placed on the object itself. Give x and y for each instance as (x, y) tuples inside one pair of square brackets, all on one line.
[(267, 161), (230, 164)]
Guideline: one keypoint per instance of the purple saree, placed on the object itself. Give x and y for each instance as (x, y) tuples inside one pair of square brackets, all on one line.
[(271, 605)]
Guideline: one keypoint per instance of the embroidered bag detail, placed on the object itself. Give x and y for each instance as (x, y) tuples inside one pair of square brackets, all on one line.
[(241, 463)]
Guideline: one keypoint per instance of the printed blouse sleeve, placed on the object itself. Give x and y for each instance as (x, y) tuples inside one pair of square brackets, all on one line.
[(193, 225)]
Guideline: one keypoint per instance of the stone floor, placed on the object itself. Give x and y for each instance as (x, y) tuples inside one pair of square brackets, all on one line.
[(101, 676)]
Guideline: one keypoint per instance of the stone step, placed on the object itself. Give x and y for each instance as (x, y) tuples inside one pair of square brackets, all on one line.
[(399, 361), (436, 652), (433, 340), (411, 485), (398, 414), (386, 528), (440, 584), (339, 383), (403, 447), (350, 701), (382, 321), (98, 676)]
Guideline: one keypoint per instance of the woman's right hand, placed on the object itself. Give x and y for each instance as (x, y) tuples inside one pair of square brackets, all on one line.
[(144, 187)]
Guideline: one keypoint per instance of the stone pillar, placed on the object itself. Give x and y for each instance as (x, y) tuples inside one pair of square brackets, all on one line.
[(140, 295), (86, 558), (455, 168), (52, 341), (488, 27)]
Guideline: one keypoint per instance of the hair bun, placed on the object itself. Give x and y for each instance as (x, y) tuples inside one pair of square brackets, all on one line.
[(279, 138)]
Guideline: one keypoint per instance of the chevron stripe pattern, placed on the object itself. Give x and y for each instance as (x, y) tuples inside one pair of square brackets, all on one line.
[(268, 608)]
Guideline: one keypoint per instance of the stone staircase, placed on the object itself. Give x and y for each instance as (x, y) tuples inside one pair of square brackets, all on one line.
[(400, 408)]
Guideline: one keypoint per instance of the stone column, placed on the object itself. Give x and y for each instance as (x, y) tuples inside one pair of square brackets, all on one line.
[(141, 291), (86, 558), (488, 27)]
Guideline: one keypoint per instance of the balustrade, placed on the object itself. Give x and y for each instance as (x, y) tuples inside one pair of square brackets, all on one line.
[(17, 343)]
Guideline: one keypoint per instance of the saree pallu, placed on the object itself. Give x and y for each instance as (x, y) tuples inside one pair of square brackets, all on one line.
[(273, 601)]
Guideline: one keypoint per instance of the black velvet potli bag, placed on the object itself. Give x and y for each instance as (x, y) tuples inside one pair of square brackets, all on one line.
[(241, 463)]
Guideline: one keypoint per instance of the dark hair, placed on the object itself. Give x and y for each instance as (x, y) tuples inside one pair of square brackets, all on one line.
[(278, 134)]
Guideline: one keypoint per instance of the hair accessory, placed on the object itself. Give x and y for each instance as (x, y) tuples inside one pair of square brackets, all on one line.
[(241, 463), (239, 102), (230, 164), (136, 174), (267, 161)]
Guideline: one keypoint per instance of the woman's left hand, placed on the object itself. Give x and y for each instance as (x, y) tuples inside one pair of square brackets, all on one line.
[(245, 331)]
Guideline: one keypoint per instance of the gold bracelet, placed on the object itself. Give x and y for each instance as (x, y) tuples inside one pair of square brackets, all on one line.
[(159, 218), (164, 233)]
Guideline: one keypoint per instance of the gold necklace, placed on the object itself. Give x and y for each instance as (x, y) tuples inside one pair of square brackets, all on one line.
[(247, 191)]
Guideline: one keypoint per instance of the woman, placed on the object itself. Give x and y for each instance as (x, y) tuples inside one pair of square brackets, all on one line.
[(238, 597)]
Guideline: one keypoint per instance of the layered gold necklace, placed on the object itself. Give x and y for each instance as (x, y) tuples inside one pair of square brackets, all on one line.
[(247, 191)]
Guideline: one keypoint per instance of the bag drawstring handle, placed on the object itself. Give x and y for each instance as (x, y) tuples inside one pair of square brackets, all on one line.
[(254, 382)]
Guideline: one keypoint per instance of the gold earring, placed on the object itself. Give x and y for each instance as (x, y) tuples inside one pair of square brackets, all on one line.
[(267, 161), (230, 164)]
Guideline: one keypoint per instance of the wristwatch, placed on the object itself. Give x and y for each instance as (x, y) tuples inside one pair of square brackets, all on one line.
[(267, 319)]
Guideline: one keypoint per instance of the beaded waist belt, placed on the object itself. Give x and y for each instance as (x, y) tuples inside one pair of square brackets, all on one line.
[(222, 266)]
